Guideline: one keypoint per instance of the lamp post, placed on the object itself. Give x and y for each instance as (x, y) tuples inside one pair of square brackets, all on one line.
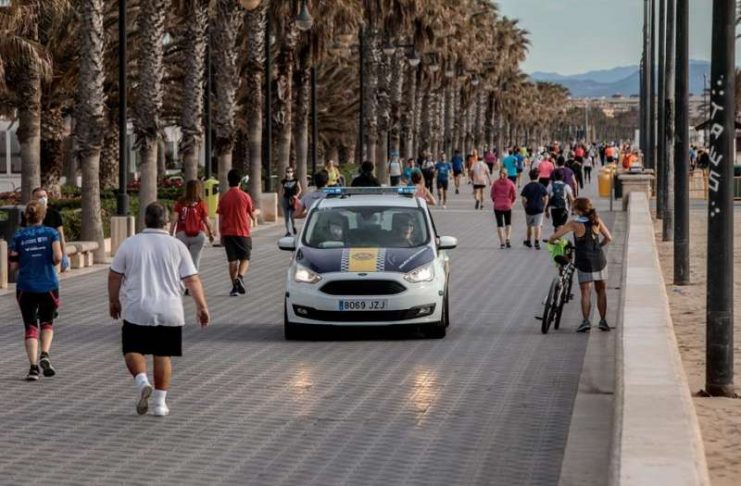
[(267, 144), (207, 109), (719, 339), (122, 200), (304, 23)]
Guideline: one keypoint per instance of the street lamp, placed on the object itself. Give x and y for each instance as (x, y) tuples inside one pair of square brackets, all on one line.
[(414, 60), (122, 201), (389, 48)]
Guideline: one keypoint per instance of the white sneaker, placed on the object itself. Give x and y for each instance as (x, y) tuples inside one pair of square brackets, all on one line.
[(160, 410), (145, 391)]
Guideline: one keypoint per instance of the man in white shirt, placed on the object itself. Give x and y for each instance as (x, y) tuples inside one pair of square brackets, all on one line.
[(144, 285)]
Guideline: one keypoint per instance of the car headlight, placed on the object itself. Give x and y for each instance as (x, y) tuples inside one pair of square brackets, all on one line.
[(304, 275), (425, 273)]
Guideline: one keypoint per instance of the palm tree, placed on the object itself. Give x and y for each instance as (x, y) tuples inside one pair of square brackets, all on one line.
[(255, 25), (89, 118), (228, 21), (148, 103), (195, 13)]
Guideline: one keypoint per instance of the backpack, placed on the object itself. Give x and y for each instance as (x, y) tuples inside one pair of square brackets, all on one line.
[(558, 197), (191, 220)]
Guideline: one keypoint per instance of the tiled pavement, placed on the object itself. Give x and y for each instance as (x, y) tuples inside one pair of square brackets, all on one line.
[(489, 404)]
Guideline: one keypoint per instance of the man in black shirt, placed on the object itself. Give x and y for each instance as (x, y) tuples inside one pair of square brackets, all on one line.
[(53, 219), (366, 177)]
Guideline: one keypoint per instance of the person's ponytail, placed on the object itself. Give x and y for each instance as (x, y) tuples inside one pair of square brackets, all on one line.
[(583, 206)]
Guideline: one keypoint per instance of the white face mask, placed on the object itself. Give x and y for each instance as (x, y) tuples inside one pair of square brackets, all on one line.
[(44, 200)]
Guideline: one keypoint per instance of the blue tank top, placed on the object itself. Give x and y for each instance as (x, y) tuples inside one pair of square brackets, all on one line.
[(36, 259)]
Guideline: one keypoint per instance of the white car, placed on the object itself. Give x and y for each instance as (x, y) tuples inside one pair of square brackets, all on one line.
[(370, 257)]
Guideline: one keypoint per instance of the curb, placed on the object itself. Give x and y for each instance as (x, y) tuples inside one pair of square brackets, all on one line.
[(657, 436)]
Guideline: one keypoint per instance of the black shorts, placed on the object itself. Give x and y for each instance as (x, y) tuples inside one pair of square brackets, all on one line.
[(504, 218), (395, 180), (38, 308), (238, 248), (457, 172), (479, 186), (442, 184), (154, 340), (519, 170), (513, 178), (560, 216)]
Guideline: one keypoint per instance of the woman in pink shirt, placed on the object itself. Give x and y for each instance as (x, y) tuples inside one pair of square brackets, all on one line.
[(504, 194)]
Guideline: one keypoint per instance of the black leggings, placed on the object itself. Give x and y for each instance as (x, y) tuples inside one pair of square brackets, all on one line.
[(504, 218), (37, 310), (588, 174)]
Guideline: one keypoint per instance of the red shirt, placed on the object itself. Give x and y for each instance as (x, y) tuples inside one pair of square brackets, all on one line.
[(503, 193), (235, 212), (200, 208)]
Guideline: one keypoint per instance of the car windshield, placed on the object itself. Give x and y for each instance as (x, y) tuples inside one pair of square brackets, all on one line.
[(366, 227)]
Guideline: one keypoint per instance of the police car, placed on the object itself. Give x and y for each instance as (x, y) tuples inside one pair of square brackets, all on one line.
[(370, 257)]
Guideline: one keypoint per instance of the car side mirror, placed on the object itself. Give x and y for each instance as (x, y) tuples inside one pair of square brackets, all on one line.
[(447, 243), (287, 243)]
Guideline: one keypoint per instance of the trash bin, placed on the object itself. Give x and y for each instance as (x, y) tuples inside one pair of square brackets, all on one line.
[(211, 191), (605, 182)]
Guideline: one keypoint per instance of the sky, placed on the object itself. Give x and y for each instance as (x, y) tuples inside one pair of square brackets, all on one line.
[(609, 32)]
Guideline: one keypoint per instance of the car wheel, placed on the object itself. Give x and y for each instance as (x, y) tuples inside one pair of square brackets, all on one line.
[(439, 330), (291, 331)]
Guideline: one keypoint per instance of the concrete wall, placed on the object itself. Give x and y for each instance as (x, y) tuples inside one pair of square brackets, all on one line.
[(657, 436)]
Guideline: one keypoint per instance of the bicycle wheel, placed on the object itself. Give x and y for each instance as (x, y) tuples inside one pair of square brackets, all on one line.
[(570, 285), (558, 311), (549, 307)]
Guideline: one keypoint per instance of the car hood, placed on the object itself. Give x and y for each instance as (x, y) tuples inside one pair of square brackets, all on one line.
[(369, 260)]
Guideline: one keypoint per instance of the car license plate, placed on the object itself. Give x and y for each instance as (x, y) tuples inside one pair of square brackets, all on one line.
[(363, 305)]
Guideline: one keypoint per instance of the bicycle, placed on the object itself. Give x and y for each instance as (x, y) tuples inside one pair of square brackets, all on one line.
[(559, 292)]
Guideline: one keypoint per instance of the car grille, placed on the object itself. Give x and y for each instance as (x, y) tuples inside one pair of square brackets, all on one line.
[(359, 316), (363, 287)]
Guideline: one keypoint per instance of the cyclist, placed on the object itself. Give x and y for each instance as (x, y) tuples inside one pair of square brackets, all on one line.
[(589, 258)]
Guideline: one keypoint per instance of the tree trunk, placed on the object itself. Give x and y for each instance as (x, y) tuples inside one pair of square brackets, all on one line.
[(301, 122), (371, 100), (384, 117), (88, 127), (29, 130), (109, 154), (400, 67), (408, 114), (148, 106), (283, 114), (194, 56), (255, 20)]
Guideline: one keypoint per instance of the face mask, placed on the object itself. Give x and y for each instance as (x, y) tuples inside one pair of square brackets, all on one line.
[(44, 200)]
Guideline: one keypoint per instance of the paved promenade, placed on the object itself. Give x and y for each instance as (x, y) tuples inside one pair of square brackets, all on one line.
[(489, 404)]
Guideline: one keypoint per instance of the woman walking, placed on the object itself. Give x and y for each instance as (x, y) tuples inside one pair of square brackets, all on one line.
[(190, 222), (34, 251), (590, 259), (421, 189), (503, 194), (291, 192)]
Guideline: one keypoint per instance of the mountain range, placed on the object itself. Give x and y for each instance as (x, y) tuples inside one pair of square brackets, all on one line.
[(624, 80)]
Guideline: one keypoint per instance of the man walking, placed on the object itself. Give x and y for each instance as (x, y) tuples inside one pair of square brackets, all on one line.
[(236, 215), (366, 177), (534, 199), (146, 274)]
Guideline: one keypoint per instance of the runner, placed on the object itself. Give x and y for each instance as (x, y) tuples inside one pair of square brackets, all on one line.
[(509, 163), (560, 198), (503, 194), (457, 170), (428, 171), (442, 171), (422, 192), (190, 218), (590, 259), (521, 156), (490, 159), (291, 190), (34, 251), (545, 170), (146, 274), (480, 178), (534, 199), (53, 219), (236, 216)]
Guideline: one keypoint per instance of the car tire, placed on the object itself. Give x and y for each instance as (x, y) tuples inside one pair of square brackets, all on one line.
[(291, 331), (439, 330)]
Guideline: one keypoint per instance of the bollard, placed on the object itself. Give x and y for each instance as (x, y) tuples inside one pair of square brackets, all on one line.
[(3, 264)]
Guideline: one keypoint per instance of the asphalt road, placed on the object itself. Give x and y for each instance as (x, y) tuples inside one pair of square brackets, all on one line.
[(489, 404)]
